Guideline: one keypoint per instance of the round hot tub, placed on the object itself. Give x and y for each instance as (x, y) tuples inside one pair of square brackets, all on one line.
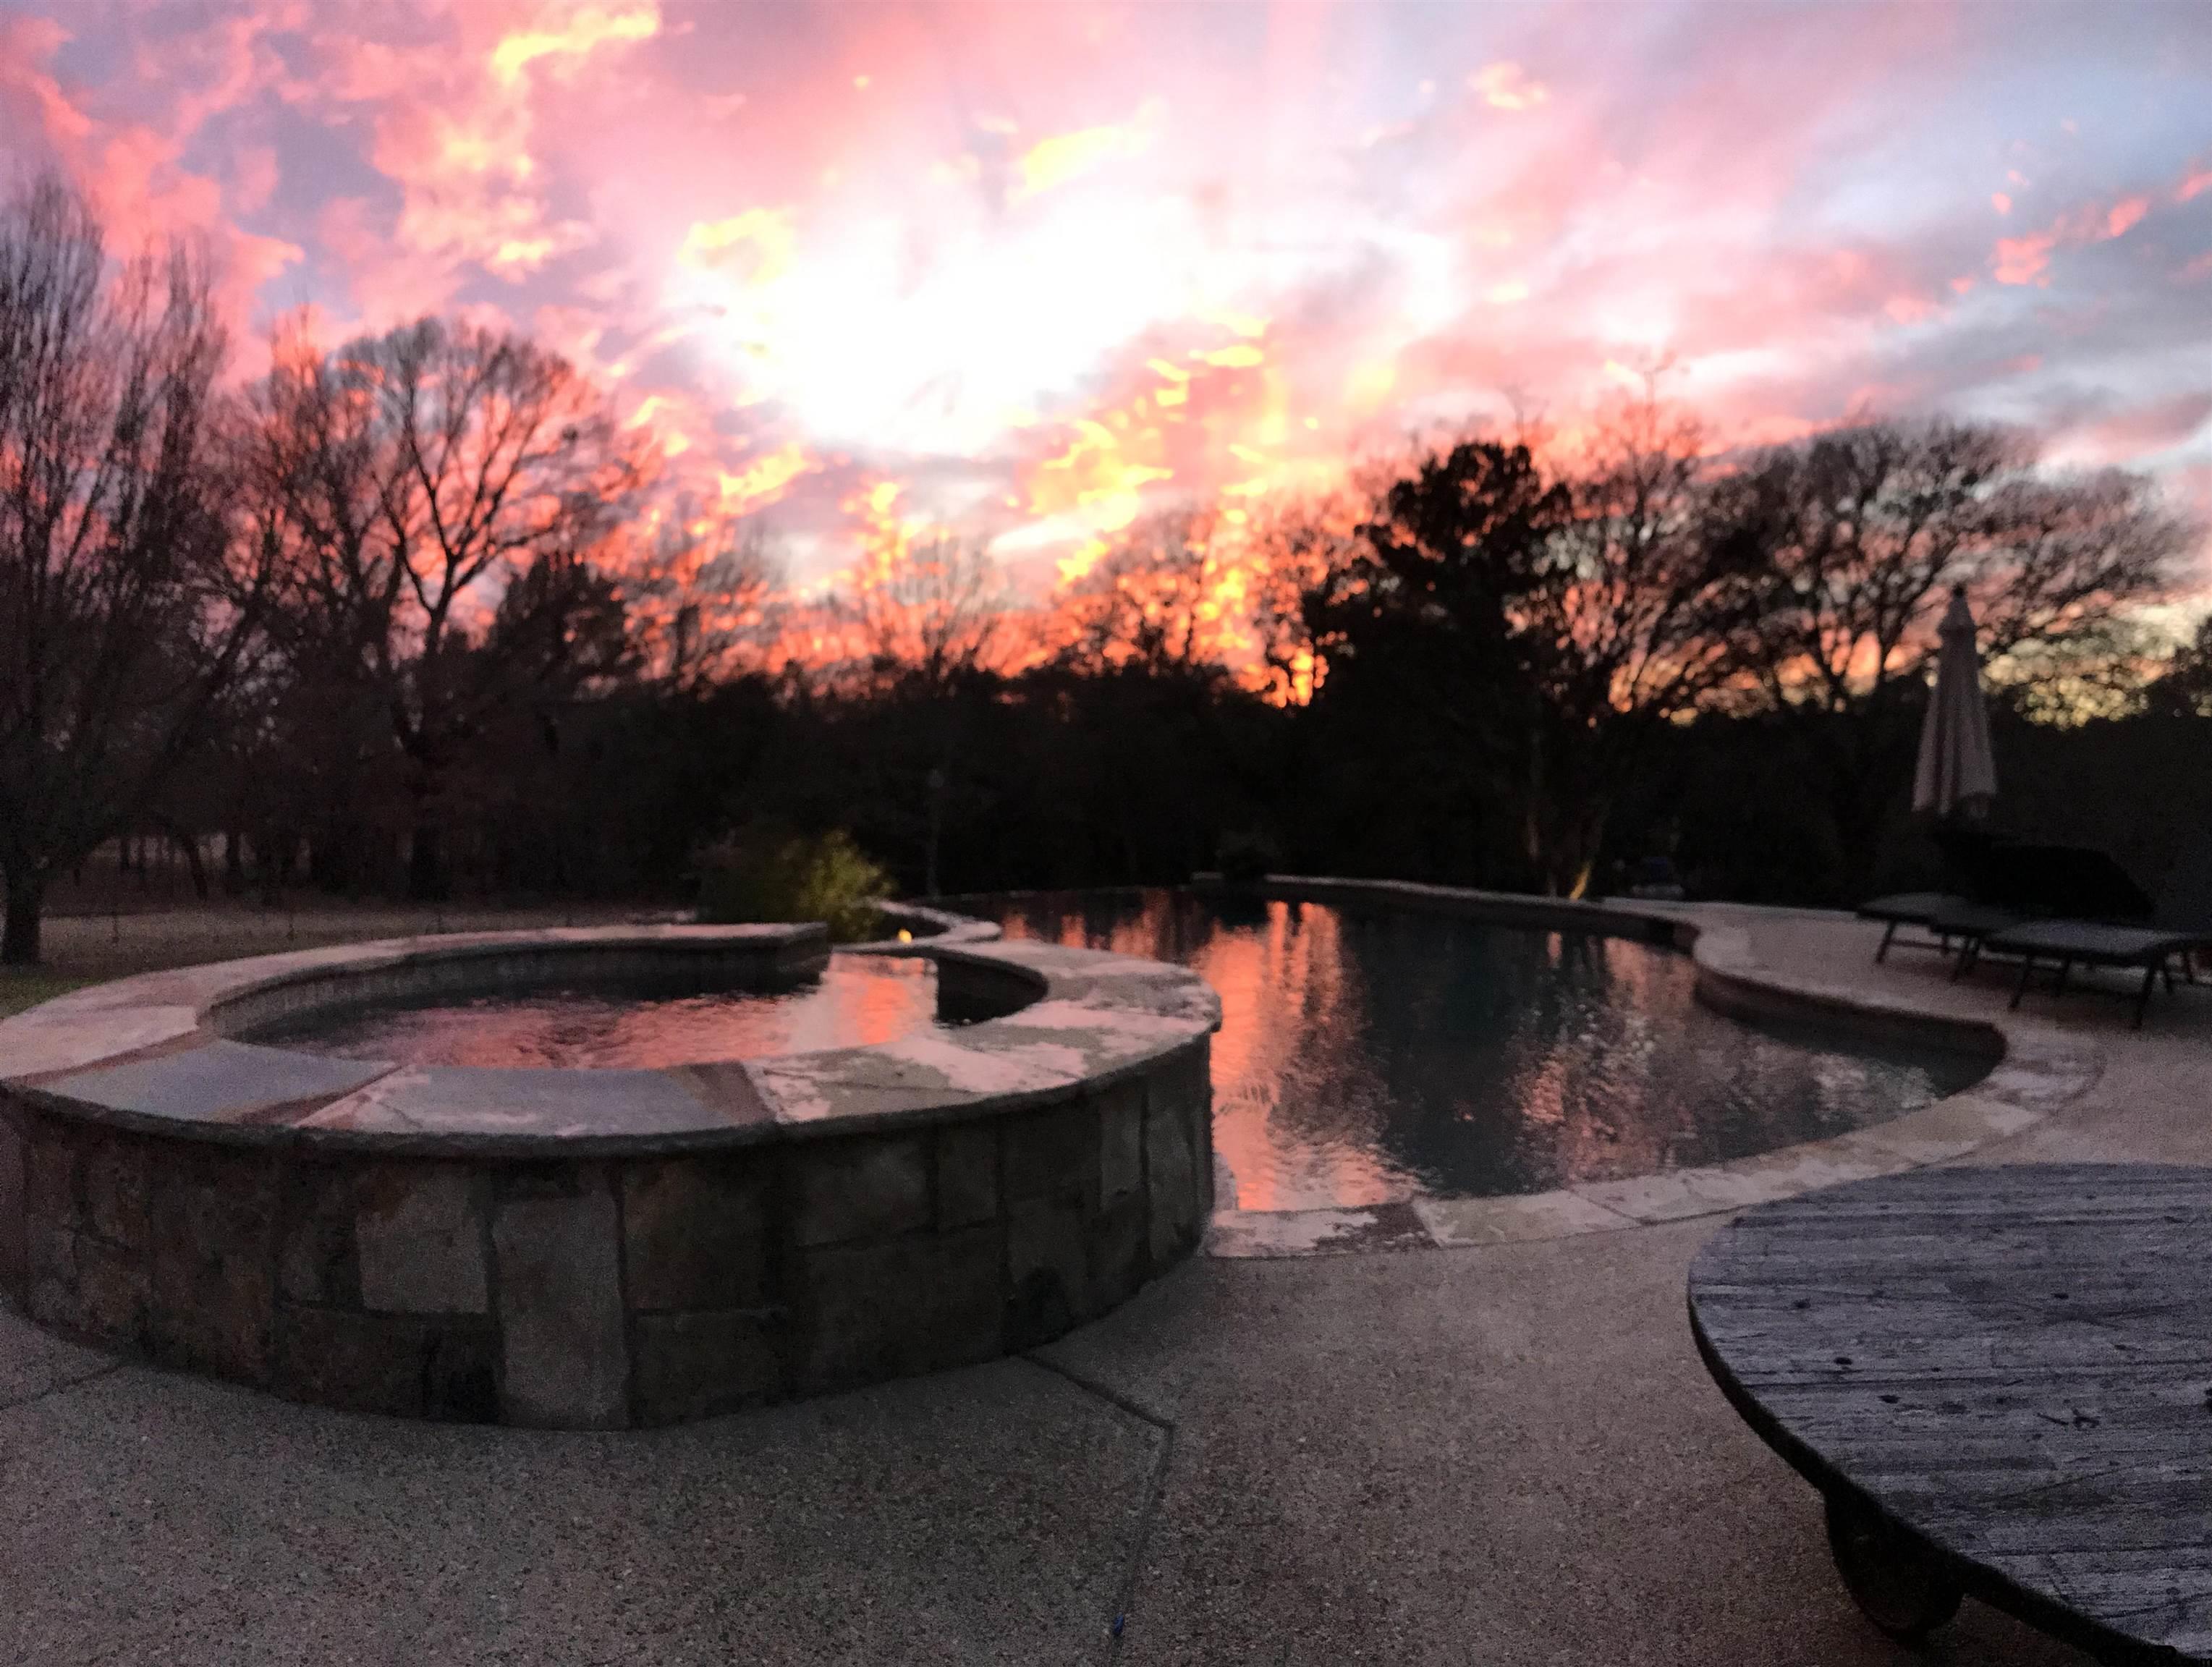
[(195, 1167)]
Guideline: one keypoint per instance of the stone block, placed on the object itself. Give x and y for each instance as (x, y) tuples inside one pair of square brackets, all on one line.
[(315, 1260), (212, 1230), (864, 1312), (49, 1274), (1668, 1196), (1120, 1139), (418, 1241), (1532, 1216), (563, 1349), (11, 1209), (697, 1365), (334, 1358), (399, 1364), (117, 1185), (727, 1088), (1120, 1252), (113, 1292), (967, 1174), (1242, 1235), (522, 1101), (50, 1172), (1184, 1079), (871, 1187), (221, 1081), (1183, 1084), (695, 1233), (1176, 1183), (1047, 1271), (460, 1371), (1053, 1152)]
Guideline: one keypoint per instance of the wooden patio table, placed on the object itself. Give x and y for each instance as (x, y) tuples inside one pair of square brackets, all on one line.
[(2001, 1380)]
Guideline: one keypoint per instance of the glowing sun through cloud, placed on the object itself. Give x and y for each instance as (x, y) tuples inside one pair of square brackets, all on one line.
[(1047, 268)]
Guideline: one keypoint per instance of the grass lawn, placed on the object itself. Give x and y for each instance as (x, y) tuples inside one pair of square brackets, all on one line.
[(19, 990)]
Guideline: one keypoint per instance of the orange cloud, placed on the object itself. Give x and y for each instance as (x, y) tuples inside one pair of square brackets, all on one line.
[(1242, 356), (454, 125), (1508, 87), (760, 244), (1056, 161), (764, 483), (572, 41)]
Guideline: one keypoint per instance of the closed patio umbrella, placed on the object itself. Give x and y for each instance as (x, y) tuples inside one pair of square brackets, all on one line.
[(1957, 771)]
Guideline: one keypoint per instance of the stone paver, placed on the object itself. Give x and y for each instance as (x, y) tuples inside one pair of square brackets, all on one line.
[(1500, 1451)]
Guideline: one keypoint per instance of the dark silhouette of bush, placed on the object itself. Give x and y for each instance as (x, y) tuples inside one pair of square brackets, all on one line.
[(774, 874)]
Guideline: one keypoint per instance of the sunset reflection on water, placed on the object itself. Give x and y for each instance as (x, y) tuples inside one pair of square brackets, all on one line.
[(858, 1002), (1368, 1057)]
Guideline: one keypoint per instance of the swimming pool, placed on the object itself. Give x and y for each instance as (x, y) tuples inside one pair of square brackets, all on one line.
[(1365, 1057)]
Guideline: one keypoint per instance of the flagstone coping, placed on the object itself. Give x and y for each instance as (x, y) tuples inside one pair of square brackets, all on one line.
[(156, 1051), (2032, 1074)]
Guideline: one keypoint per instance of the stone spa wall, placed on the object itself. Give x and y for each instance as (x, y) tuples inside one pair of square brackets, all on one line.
[(599, 1249)]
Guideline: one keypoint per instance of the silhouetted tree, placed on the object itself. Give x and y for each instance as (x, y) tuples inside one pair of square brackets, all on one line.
[(2184, 688), (1419, 633), (937, 615), (1293, 546), (704, 602), (126, 603), (1861, 532), (1153, 599), (412, 476)]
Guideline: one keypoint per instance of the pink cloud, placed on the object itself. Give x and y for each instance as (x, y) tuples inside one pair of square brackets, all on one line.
[(2124, 215), (254, 175), (1703, 191), (2136, 430), (132, 172), (2026, 259)]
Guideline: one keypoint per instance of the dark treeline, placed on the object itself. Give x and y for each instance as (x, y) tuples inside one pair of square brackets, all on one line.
[(412, 616)]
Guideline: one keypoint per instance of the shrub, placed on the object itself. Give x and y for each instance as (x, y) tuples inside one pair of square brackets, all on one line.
[(776, 874)]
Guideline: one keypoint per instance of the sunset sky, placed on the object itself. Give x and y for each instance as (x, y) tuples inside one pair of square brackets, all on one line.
[(1021, 270)]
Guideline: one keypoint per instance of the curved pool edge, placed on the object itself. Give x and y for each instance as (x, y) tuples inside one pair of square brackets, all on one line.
[(581, 1249), (2032, 1075)]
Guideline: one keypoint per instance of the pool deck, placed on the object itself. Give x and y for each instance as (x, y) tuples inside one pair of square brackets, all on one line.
[(1502, 1452)]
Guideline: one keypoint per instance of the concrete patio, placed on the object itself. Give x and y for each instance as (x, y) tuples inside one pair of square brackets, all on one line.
[(1504, 1454)]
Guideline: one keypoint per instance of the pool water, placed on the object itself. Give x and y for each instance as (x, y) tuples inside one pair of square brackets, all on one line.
[(1366, 1057), (857, 1000)]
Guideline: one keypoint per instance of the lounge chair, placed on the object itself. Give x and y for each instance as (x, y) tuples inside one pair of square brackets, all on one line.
[(1968, 927), (1971, 879), (2180, 928), (2023, 883), (1908, 908)]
